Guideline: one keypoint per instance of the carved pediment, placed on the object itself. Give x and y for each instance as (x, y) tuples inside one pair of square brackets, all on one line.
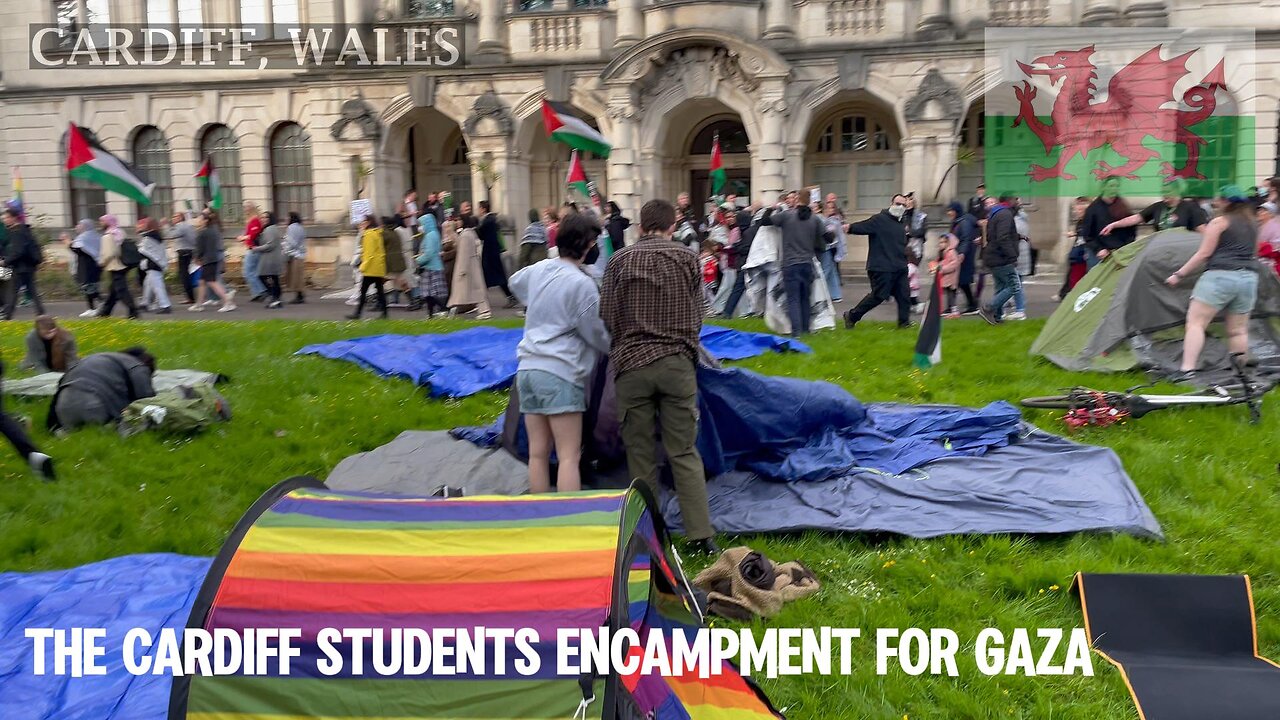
[(699, 70), (358, 122), (489, 116), (935, 99)]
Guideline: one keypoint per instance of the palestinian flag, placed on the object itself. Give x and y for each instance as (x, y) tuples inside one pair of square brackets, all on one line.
[(929, 344), (212, 184), (565, 127), (718, 175), (88, 160), (577, 178)]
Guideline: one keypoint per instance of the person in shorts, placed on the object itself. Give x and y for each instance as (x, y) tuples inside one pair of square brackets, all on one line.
[(1229, 253), (563, 338)]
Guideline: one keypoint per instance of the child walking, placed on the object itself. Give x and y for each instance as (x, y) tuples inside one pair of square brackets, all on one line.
[(563, 337), (949, 260)]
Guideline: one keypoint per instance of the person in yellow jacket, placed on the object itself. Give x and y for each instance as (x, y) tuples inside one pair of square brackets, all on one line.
[(373, 266)]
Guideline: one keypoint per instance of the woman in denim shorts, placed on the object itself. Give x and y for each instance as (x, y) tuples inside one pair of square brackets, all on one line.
[(1229, 253), (563, 338)]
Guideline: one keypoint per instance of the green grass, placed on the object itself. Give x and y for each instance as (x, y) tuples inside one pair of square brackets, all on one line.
[(1209, 476)]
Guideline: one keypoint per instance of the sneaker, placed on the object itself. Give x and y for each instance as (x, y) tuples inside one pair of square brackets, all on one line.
[(89, 314), (906, 325), (275, 305), (453, 312), (42, 465), (209, 303), (231, 295), (989, 316), (229, 307), (1184, 376), (1016, 315), (197, 308), (1056, 298), (951, 316), (972, 311), (520, 313), (849, 322)]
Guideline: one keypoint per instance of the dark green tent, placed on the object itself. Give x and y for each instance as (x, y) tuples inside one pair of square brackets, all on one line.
[(1122, 315)]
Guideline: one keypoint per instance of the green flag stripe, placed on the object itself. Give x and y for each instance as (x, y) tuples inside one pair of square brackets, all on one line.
[(110, 181), (582, 142)]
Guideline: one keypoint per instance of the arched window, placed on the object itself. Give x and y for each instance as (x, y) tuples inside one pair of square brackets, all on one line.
[(733, 138), (460, 153), (854, 154), (84, 199), (151, 158), (291, 170), (219, 144)]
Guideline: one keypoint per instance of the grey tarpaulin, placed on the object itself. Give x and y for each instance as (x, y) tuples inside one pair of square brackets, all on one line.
[(421, 463), (46, 385), (1040, 484)]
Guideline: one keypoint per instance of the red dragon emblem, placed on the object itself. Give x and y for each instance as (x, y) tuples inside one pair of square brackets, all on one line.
[(1135, 108)]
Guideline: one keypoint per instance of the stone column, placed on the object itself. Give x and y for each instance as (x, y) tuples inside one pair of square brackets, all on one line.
[(492, 44), (1147, 13), (770, 154), (622, 169), (630, 21), (1101, 12), (935, 20), (778, 20)]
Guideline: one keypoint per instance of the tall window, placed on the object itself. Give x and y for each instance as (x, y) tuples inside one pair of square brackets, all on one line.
[(548, 5), (71, 15), (85, 199), (855, 155), (733, 138), (460, 182), (219, 144), (430, 8), (280, 14), (291, 171), (163, 12), (973, 141), (151, 158)]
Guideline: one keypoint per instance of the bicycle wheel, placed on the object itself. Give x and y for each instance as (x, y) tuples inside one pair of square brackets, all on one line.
[(1051, 402)]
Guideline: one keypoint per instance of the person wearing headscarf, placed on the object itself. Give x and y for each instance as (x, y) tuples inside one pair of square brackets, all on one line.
[(468, 286), (109, 260), (154, 261), (50, 348), (295, 250), (433, 289), (86, 246)]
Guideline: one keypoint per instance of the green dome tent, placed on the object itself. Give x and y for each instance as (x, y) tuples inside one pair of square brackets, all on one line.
[(1122, 315)]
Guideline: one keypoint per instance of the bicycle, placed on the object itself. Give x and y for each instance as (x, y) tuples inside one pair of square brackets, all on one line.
[(1086, 406)]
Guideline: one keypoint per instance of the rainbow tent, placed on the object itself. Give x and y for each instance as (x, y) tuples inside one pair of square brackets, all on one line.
[(305, 557)]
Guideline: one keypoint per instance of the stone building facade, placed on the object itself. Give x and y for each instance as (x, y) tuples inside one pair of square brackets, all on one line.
[(860, 97)]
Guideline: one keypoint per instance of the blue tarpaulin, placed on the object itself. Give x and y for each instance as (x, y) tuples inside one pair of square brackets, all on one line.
[(136, 591), (484, 358)]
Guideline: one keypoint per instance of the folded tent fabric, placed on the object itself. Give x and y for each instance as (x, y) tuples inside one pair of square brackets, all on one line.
[(484, 358), (46, 384), (743, 584)]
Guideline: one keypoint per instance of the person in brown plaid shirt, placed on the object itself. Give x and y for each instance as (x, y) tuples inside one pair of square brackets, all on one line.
[(651, 302)]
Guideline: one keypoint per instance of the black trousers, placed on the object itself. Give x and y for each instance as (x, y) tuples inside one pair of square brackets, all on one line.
[(972, 302), (21, 279), (798, 281), (735, 295), (272, 283), (378, 283), (885, 285), (184, 274), (16, 434), (119, 292)]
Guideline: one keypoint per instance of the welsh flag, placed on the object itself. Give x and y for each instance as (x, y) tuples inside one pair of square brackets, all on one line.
[(577, 178), (718, 175), (565, 127), (208, 177), (88, 160)]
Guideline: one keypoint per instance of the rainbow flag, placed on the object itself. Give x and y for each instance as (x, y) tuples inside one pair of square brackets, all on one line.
[(16, 203), (313, 559)]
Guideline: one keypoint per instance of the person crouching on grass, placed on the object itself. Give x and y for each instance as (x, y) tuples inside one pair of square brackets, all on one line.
[(563, 337)]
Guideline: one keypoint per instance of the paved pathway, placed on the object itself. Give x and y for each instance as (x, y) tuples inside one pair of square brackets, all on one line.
[(1039, 290)]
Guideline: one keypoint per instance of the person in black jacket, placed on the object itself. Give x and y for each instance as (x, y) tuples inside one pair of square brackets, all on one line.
[(738, 257), (98, 389), (1000, 254), (495, 274), (886, 262), (22, 256), (16, 434), (616, 225), (803, 237), (1106, 209), (965, 227)]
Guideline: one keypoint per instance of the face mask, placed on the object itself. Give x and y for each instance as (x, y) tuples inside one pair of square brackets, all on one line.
[(897, 210), (592, 255)]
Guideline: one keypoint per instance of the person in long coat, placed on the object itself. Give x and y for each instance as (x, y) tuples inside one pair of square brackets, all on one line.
[(495, 273), (468, 276)]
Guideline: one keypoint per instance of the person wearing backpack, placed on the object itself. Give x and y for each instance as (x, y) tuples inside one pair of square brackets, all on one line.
[(111, 256), (22, 257)]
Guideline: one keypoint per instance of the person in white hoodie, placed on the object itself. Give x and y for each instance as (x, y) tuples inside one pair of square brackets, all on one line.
[(563, 338)]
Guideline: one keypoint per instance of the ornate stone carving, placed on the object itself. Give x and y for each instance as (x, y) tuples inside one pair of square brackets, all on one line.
[(699, 69), (356, 111), (934, 91), (777, 105), (489, 107), (622, 112)]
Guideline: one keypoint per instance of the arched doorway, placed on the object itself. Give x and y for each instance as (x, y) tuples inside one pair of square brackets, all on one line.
[(686, 150), (436, 154), (853, 149)]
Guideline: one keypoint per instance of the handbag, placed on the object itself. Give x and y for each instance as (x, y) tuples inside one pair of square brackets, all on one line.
[(448, 251)]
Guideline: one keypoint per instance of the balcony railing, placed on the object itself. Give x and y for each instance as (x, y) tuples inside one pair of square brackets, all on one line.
[(556, 33), (1018, 12), (852, 17)]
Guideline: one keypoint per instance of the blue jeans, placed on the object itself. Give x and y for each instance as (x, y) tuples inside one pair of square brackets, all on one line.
[(798, 281), (1091, 258), (250, 270), (832, 274), (1008, 285)]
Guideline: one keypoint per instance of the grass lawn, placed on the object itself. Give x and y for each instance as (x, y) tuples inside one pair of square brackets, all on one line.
[(1209, 476)]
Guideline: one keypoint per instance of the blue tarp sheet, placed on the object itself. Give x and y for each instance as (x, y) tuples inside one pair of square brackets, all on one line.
[(484, 358), (144, 591)]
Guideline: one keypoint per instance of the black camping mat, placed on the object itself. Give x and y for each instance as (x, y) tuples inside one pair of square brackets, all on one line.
[(1186, 645)]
